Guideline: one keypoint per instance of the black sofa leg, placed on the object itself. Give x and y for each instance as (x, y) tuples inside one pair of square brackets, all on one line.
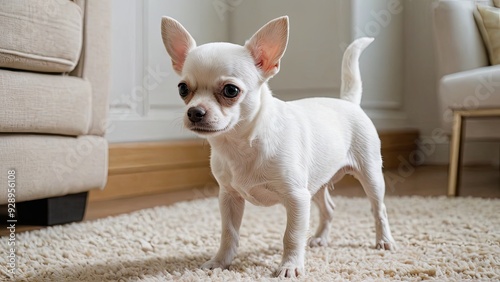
[(52, 211)]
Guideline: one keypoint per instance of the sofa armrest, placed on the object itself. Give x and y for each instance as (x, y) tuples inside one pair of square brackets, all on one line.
[(95, 60)]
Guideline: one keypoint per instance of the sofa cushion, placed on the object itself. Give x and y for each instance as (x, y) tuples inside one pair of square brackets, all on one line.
[(40, 35), (43, 103), (488, 22), (50, 166), (474, 89)]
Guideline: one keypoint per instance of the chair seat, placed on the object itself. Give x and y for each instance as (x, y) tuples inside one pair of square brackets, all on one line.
[(40, 35)]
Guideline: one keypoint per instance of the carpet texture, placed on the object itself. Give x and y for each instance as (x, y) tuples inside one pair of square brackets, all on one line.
[(438, 239)]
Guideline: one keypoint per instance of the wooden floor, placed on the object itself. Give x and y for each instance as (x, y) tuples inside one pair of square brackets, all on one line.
[(480, 181)]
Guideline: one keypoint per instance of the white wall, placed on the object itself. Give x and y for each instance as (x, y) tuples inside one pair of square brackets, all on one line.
[(319, 33), (144, 101), (382, 63), (313, 57)]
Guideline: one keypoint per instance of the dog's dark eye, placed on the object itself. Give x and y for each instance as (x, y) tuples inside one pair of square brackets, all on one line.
[(230, 91), (183, 89)]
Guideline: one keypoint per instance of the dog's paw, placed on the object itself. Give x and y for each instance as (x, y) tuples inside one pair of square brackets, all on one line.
[(213, 264), (317, 242), (289, 270), (386, 245)]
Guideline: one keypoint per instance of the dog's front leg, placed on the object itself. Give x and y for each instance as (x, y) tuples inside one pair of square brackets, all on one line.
[(297, 204), (231, 206)]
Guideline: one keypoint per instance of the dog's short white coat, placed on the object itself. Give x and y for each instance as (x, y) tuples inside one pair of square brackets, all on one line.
[(268, 151)]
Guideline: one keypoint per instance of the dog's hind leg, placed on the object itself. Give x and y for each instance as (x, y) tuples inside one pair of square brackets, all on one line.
[(372, 179), (326, 206)]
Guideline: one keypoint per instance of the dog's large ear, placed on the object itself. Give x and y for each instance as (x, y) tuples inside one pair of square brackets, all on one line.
[(268, 45), (177, 41)]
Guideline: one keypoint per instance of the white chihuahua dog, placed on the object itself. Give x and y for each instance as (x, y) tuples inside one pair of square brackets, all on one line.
[(268, 151)]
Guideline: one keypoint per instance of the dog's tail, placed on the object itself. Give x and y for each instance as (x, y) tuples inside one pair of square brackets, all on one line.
[(351, 88)]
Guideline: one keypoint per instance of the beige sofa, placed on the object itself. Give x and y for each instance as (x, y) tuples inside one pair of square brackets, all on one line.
[(469, 87), (54, 88)]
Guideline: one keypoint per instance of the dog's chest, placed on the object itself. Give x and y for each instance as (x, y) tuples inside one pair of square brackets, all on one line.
[(251, 176), (254, 185), (259, 195)]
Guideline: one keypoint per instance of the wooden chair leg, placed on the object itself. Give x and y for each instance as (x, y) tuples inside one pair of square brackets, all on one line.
[(455, 155)]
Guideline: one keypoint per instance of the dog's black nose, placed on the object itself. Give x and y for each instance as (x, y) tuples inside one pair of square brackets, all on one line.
[(196, 114)]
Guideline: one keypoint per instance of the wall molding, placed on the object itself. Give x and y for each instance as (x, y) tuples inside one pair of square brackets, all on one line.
[(157, 167), (474, 152)]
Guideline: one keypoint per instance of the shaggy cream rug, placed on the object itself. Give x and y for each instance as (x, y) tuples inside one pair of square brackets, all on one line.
[(438, 239)]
